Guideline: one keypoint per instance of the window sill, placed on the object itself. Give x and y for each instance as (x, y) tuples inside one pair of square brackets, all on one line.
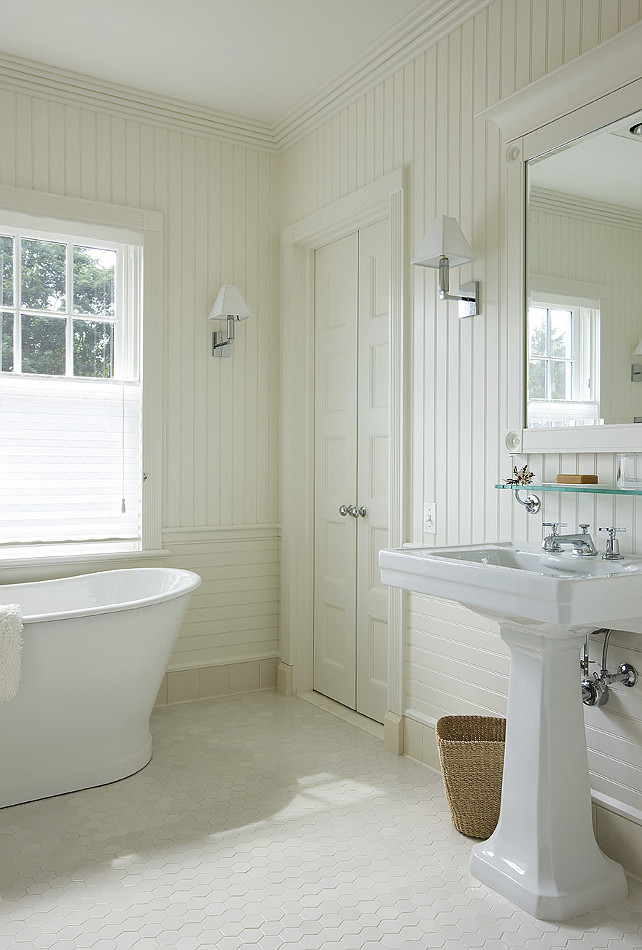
[(38, 566)]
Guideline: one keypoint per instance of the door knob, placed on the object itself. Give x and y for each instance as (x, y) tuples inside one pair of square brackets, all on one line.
[(353, 511)]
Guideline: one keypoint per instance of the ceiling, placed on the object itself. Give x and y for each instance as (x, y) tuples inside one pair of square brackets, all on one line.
[(605, 166), (252, 58)]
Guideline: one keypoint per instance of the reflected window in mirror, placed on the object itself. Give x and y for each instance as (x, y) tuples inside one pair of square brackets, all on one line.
[(563, 381)]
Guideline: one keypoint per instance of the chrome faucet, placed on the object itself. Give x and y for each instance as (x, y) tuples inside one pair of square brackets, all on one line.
[(612, 552), (582, 544)]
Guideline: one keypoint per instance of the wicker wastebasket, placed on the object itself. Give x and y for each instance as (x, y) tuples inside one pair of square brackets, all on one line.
[(471, 751)]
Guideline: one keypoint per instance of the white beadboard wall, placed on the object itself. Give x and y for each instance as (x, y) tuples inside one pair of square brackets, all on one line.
[(218, 200), (421, 117)]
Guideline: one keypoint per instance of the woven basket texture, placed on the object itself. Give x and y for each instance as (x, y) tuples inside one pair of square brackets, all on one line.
[(471, 751)]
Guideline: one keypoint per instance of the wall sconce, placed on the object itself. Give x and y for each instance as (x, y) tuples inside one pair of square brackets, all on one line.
[(229, 305), (636, 369), (444, 246)]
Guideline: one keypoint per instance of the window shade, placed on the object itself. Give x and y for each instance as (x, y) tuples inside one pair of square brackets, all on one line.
[(69, 454), (544, 413)]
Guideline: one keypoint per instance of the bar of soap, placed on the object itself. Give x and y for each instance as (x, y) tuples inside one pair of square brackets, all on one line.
[(577, 479)]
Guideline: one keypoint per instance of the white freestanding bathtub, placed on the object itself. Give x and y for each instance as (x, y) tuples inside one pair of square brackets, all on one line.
[(95, 651)]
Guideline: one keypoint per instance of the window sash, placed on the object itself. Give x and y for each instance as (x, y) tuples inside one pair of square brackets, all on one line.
[(584, 359), (127, 303)]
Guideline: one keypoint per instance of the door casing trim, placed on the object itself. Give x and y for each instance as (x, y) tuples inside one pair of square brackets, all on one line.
[(383, 198)]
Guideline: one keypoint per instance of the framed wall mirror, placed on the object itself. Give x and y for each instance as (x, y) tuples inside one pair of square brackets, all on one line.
[(583, 309), (573, 317)]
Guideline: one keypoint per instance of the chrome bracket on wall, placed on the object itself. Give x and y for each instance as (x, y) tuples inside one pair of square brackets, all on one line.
[(531, 503)]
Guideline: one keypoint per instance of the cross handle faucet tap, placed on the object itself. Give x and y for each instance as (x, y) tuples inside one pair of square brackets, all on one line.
[(612, 552), (582, 544)]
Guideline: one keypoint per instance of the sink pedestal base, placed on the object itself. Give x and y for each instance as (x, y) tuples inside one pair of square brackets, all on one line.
[(543, 855)]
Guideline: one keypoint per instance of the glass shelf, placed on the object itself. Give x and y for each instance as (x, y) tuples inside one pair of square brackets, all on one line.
[(587, 489)]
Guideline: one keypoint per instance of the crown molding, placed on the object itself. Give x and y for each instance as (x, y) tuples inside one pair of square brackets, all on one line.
[(70, 88), (599, 212), (413, 35), (425, 27)]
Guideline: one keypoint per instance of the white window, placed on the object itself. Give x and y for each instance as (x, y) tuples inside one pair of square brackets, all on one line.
[(70, 387), (563, 362)]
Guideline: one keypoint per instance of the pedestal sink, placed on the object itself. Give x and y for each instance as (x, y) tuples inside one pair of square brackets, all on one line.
[(543, 855)]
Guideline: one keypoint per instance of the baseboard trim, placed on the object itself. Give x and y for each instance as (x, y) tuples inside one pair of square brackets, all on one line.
[(224, 679), (393, 733), (285, 678)]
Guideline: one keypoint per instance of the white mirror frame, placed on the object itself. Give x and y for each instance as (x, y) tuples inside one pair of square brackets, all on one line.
[(592, 91)]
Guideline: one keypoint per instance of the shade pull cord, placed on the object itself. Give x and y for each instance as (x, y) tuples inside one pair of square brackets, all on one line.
[(123, 506)]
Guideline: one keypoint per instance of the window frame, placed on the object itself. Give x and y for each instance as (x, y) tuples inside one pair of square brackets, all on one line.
[(584, 365), (586, 315), (78, 216), (126, 303)]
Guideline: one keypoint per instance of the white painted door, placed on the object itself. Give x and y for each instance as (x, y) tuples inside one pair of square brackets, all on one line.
[(351, 447)]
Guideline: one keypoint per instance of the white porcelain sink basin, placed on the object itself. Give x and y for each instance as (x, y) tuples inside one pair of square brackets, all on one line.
[(543, 855), (508, 580)]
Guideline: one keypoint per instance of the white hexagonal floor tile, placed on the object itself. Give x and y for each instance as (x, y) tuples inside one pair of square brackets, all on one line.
[(265, 822)]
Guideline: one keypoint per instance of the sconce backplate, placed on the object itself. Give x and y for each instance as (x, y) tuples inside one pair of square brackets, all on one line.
[(220, 348)]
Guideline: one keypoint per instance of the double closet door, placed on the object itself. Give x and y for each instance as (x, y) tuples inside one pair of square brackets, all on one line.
[(352, 301)]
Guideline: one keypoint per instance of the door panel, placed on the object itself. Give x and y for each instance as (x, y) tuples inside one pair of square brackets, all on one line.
[(351, 438), (372, 468), (336, 300)]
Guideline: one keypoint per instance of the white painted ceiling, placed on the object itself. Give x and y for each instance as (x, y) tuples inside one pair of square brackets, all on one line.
[(605, 166), (252, 58)]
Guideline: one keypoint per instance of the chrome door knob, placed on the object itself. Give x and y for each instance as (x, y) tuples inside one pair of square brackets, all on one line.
[(353, 511)]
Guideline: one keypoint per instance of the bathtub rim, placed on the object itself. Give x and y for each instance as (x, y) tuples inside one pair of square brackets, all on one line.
[(191, 581)]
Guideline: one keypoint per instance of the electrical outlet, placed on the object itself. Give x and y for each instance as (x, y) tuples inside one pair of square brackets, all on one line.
[(430, 517)]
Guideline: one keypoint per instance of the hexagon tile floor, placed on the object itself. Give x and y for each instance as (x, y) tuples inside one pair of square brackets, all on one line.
[(264, 822)]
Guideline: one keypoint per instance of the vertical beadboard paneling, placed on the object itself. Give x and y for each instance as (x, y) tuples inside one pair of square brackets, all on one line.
[(8, 107), (24, 143), (463, 386), (88, 173), (103, 160), (220, 417), (572, 29)]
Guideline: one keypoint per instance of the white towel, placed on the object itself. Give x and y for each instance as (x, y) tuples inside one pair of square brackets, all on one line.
[(10, 650)]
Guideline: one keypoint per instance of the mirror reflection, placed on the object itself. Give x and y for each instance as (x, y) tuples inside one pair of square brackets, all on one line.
[(584, 280)]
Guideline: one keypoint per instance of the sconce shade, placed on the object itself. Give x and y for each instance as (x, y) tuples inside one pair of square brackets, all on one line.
[(229, 303), (443, 238), (638, 350)]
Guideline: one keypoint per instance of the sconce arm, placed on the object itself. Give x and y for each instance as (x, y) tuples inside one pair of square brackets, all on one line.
[(470, 290), (219, 339)]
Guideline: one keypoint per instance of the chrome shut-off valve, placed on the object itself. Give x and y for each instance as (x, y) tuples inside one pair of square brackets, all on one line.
[(595, 689)]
